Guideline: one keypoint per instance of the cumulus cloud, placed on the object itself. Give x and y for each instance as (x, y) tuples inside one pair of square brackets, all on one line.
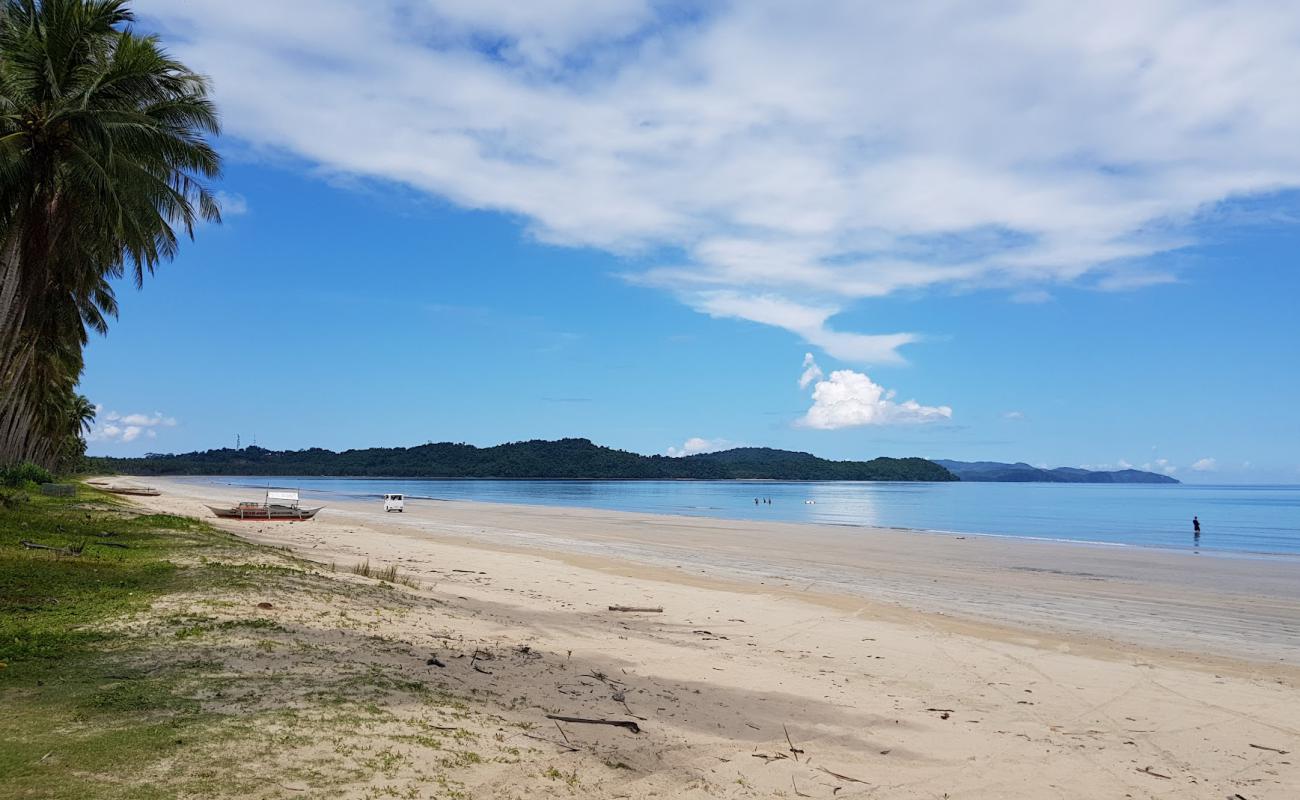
[(110, 426), (796, 158), (695, 444), (1014, 415), (1160, 465), (1205, 465), (849, 399)]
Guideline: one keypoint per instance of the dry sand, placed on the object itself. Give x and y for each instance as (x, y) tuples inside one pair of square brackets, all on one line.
[(899, 664)]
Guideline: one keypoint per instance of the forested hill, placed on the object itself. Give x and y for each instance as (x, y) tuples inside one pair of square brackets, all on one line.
[(995, 471), (566, 458)]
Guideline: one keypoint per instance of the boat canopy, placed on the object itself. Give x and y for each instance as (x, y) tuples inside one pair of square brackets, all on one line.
[(282, 497)]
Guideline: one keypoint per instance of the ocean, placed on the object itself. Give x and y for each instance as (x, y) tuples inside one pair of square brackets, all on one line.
[(1234, 519)]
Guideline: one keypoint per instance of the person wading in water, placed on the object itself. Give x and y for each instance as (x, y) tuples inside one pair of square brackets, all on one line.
[(1196, 530)]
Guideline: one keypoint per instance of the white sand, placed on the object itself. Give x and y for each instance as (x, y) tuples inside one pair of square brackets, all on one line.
[(925, 665)]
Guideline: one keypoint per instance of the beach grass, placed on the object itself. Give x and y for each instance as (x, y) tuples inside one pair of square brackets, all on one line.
[(75, 702), (155, 656)]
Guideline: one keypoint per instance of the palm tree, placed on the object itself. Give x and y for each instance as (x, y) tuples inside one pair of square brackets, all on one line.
[(104, 158)]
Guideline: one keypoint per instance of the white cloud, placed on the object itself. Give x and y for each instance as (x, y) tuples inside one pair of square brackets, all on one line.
[(1014, 415), (696, 444), (1159, 465), (110, 426), (1032, 296), (1205, 465), (849, 399), (811, 372), (232, 204), (798, 157)]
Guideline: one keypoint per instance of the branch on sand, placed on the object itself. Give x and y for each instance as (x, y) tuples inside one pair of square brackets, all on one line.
[(617, 723)]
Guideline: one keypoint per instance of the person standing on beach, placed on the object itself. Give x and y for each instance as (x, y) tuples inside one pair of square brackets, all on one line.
[(1196, 530)]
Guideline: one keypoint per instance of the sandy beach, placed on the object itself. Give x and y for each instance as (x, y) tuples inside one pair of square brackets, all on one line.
[(804, 660)]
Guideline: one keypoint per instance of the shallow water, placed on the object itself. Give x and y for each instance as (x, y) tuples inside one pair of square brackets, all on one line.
[(1244, 519)]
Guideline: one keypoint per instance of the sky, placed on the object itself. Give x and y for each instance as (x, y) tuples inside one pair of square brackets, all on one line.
[(1021, 231)]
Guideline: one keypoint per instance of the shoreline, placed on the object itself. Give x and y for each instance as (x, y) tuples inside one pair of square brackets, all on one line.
[(1179, 603), (1212, 551)]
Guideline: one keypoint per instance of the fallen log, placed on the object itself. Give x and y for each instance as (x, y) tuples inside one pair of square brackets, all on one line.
[(617, 723), (71, 550), (639, 609)]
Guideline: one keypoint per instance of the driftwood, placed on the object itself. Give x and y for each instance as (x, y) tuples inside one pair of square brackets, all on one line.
[(70, 550), (768, 758), (841, 777), (796, 751), (1270, 749), (639, 609), (617, 723), (1154, 774)]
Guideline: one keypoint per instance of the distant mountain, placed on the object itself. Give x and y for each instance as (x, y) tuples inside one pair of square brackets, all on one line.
[(565, 458), (995, 471)]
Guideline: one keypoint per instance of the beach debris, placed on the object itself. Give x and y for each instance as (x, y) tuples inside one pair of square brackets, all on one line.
[(639, 609), (434, 662), (1270, 749), (562, 733), (848, 778), (768, 758), (560, 745), (617, 723), (118, 545), (796, 788), (1149, 771), (264, 605), (473, 662), (794, 750), (70, 550)]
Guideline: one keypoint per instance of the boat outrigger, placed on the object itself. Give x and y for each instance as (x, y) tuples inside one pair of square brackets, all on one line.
[(280, 504)]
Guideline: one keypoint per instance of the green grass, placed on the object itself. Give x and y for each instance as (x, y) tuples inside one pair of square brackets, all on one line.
[(76, 709), (148, 666), (387, 574)]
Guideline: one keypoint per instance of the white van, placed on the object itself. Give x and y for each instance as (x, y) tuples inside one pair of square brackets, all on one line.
[(394, 502)]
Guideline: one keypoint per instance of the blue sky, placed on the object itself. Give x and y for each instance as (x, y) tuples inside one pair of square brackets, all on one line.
[(633, 228)]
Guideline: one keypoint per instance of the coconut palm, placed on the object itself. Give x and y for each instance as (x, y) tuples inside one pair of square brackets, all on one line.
[(104, 159)]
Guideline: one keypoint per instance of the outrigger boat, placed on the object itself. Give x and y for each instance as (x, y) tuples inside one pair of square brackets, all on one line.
[(280, 504), (142, 491)]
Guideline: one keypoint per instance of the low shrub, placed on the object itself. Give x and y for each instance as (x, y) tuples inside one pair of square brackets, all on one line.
[(19, 475)]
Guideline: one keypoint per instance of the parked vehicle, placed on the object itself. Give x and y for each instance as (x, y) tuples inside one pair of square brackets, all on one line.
[(394, 502)]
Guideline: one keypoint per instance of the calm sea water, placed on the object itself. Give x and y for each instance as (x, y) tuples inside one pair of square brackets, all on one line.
[(1243, 519)]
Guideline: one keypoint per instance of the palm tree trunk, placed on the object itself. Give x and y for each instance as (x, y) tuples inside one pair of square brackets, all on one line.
[(12, 309), (17, 413)]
